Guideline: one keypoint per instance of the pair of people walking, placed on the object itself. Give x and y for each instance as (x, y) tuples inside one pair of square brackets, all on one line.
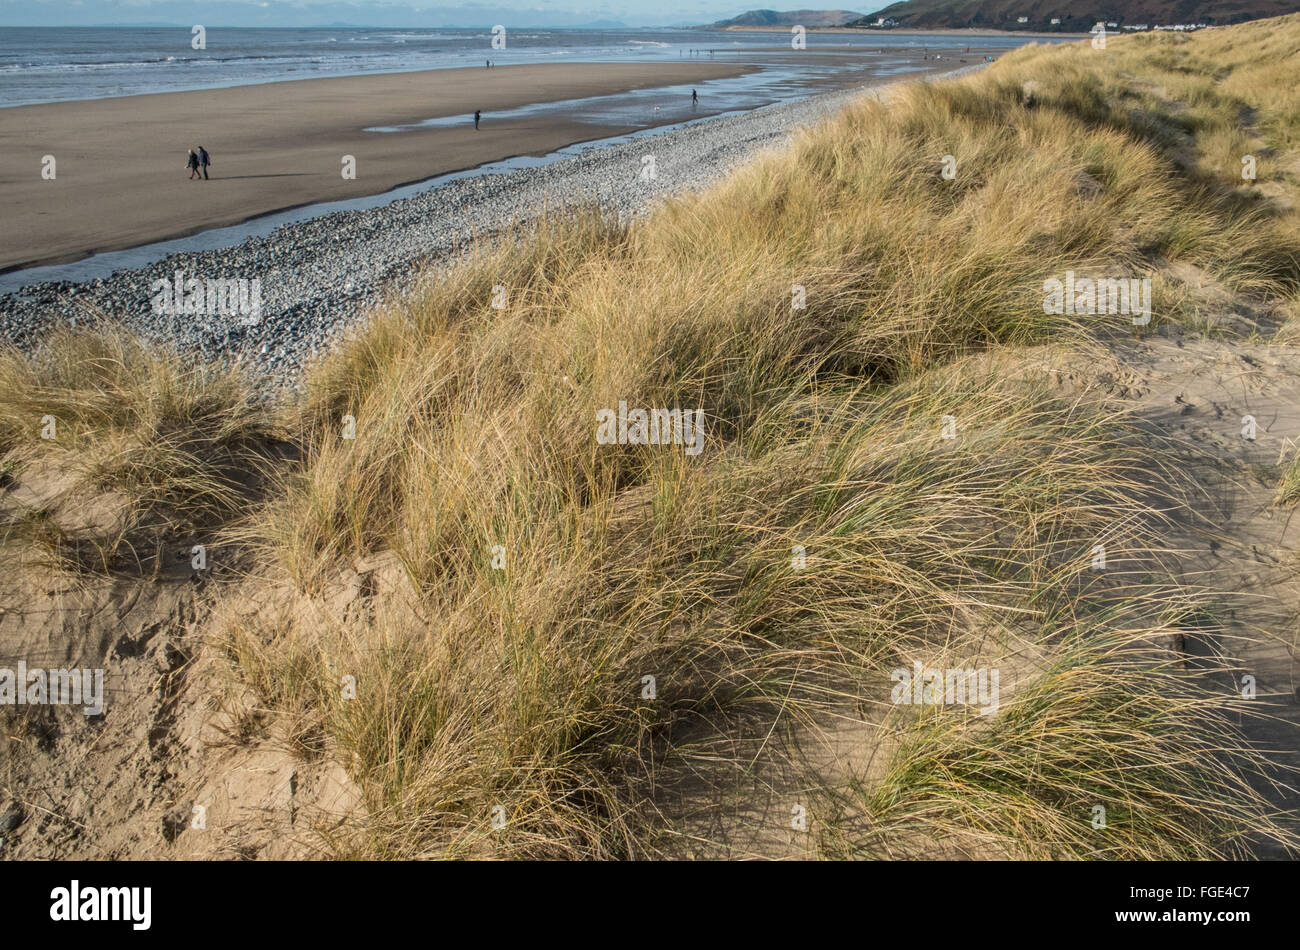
[(197, 161)]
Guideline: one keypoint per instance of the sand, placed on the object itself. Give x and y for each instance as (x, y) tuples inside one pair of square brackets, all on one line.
[(120, 176)]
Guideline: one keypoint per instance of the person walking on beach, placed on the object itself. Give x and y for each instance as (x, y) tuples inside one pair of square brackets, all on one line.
[(192, 163), (204, 161), (478, 114), (695, 98)]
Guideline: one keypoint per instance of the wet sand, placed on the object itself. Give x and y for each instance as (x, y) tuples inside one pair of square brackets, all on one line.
[(120, 176)]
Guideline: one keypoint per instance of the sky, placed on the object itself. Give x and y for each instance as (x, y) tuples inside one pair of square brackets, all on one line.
[(404, 13)]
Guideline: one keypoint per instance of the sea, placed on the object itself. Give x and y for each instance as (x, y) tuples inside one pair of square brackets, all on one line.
[(52, 64)]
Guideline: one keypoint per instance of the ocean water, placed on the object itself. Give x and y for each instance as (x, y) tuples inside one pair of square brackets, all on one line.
[(57, 64), (50, 64)]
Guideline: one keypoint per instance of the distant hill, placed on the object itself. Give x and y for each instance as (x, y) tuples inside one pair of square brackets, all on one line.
[(791, 18), (1074, 16)]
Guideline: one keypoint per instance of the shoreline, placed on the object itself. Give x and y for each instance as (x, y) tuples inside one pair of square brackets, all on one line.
[(320, 276), (283, 152), (120, 183), (298, 216)]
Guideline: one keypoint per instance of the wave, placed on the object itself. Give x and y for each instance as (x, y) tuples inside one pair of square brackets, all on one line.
[(403, 37), (159, 61), (71, 67)]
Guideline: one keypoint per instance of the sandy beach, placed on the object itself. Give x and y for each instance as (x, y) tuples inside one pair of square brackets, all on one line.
[(120, 177), (320, 274)]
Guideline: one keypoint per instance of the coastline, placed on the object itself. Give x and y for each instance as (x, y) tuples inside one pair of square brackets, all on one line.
[(944, 31), (319, 277), (119, 176)]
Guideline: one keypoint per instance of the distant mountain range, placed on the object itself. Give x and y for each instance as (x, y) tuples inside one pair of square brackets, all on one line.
[(791, 18), (1073, 16)]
